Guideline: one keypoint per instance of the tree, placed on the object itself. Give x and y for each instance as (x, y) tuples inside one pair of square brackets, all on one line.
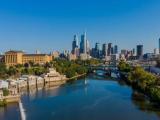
[(5, 92), (26, 65), (2, 67), (70, 73), (47, 65), (124, 67), (31, 63), (141, 78), (3, 71), (81, 70), (12, 71), (155, 93)]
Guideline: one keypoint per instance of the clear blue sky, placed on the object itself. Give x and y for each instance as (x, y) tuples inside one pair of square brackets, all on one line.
[(50, 24)]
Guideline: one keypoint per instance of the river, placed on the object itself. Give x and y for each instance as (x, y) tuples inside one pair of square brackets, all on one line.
[(94, 98)]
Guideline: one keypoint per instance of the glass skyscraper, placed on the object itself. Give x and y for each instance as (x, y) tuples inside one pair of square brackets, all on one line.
[(115, 49), (104, 49), (109, 49), (139, 50), (83, 44), (74, 43)]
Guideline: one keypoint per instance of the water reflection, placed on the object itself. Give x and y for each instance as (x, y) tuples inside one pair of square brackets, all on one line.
[(143, 103), (10, 112), (95, 98)]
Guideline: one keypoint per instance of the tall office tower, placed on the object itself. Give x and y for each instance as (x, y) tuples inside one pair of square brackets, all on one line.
[(115, 49), (139, 50), (159, 45), (83, 44), (112, 50), (97, 46), (134, 52), (97, 50), (109, 49), (104, 50), (87, 47), (74, 43)]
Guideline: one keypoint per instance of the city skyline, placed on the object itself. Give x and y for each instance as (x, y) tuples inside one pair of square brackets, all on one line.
[(76, 43), (35, 25)]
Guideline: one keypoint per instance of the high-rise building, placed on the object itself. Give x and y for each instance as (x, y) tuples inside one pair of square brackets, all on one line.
[(134, 52), (112, 50), (87, 47), (97, 46), (139, 50), (109, 49), (74, 43), (97, 50), (104, 50), (83, 44), (115, 49)]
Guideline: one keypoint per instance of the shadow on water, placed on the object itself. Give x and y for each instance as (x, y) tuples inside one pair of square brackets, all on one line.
[(10, 112), (143, 103)]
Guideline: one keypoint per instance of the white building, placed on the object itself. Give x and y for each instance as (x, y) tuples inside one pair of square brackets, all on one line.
[(3, 84), (156, 51), (53, 75)]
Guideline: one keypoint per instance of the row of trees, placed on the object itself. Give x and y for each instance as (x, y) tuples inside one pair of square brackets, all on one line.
[(141, 79), (70, 68), (63, 66), (16, 71)]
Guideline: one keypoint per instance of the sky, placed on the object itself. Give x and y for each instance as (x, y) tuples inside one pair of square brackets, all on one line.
[(48, 25)]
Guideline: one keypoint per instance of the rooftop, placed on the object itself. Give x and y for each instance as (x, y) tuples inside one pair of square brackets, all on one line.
[(14, 51), (35, 54)]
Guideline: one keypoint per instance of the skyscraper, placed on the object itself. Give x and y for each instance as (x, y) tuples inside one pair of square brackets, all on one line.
[(139, 50), (74, 43), (104, 49), (97, 50), (109, 49), (83, 44), (115, 49), (112, 50), (87, 47), (97, 46), (133, 51)]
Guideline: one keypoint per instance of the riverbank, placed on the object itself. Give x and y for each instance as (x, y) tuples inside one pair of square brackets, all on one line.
[(33, 84), (152, 92), (141, 80), (9, 99), (76, 77)]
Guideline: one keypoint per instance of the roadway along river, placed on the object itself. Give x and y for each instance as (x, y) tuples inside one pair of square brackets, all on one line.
[(92, 98)]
